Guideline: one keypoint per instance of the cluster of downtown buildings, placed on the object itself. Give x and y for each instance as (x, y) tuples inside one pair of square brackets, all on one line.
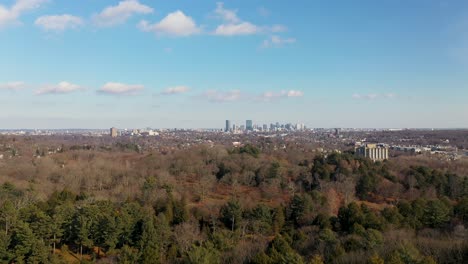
[(114, 132), (273, 127)]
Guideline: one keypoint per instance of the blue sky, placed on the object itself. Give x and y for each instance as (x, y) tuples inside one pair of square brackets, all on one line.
[(97, 64)]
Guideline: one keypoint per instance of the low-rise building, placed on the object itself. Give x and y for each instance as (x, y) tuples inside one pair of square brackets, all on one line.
[(372, 151)]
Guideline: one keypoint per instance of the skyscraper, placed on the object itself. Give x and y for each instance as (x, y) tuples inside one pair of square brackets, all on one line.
[(113, 132), (249, 125), (228, 126)]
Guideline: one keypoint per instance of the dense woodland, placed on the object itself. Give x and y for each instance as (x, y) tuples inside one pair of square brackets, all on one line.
[(260, 203)]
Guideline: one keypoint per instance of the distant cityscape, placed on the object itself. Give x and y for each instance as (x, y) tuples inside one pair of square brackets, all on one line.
[(252, 127), (249, 127), (373, 143)]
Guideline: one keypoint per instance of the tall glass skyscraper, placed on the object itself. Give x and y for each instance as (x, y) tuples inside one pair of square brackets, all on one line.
[(228, 126)]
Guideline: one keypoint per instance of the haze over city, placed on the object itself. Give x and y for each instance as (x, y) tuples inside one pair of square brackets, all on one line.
[(97, 64)]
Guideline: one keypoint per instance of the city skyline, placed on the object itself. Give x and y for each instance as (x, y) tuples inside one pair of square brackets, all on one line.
[(179, 64)]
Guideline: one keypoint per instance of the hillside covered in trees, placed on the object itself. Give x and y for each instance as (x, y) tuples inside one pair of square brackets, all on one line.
[(257, 203)]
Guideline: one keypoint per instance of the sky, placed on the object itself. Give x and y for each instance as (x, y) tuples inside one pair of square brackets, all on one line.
[(194, 64)]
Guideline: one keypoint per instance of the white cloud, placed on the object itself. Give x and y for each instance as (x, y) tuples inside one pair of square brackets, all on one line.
[(365, 96), (373, 96), (222, 96), (119, 14), (244, 28), (277, 41), (233, 25), (237, 95), (59, 22), (176, 90), (268, 96), (120, 88), (25, 5), (226, 14), (174, 24), (12, 14), (60, 88), (12, 86), (294, 93), (277, 28)]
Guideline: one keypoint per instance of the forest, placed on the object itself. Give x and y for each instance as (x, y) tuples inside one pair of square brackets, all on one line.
[(259, 203)]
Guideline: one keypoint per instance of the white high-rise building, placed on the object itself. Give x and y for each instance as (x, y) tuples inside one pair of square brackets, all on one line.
[(372, 151), (300, 126)]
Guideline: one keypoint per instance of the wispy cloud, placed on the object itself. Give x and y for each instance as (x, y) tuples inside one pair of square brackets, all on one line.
[(13, 86), (175, 90), (58, 22), (234, 26), (114, 88), (276, 28), (119, 14), (373, 96), (222, 96), (390, 95), (294, 93), (60, 88), (277, 41), (12, 14), (174, 24), (269, 96), (237, 95), (243, 28), (227, 15)]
